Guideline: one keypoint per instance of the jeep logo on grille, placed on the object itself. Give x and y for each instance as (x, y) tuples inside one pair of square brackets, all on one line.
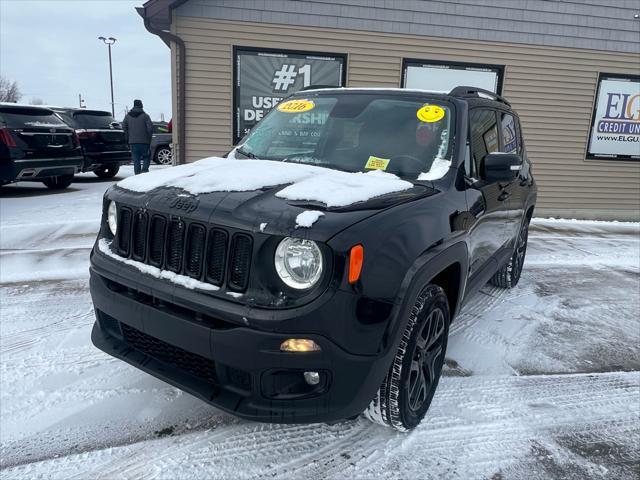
[(186, 204)]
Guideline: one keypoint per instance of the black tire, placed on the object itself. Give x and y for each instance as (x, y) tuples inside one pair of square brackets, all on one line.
[(58, 183), (509, 275), (163, 155), (107, 171), (405, 394)]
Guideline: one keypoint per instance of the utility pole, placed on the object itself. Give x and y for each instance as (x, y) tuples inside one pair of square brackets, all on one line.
[(108, 42)]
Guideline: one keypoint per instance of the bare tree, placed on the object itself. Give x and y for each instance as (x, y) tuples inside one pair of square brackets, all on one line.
[(36, 101), (9, 91)]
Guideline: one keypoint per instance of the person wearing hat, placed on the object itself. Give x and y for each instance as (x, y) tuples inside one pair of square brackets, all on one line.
[(138, 129)]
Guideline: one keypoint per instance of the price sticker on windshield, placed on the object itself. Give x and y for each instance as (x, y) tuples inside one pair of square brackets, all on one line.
[(430, 113), (296, 106), (377, 163)]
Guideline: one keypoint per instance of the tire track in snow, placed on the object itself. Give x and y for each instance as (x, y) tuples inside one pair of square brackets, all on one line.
[(33, 314), (476, 424)]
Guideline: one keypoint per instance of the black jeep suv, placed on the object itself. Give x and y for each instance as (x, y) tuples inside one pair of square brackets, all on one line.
[(312, 275), (103, 142), (35, 145)]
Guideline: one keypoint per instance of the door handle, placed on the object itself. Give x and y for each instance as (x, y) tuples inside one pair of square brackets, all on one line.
[(504, 195)]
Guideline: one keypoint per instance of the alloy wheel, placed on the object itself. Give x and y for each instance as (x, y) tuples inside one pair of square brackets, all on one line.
[(426, 361), (164, 156), (521, 250)]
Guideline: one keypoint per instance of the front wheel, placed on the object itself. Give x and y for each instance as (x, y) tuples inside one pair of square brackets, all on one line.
[(408, 388), (509, 275), (107, 171), (58, 183), (163, 156)]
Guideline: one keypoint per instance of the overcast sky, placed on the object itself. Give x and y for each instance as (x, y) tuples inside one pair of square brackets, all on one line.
[(51, 48)]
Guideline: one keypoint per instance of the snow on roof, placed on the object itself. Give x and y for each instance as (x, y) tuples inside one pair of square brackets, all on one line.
[(334, 188)]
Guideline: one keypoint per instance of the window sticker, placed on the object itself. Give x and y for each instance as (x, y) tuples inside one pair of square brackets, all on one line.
[(377, 163), (430, 113), (296, 106)]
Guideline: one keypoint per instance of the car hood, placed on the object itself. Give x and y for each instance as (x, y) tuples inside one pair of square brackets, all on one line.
[(261, 210), (265, 196)]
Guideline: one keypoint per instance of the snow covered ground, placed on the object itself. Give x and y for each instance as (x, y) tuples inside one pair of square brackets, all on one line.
[(542, 381)]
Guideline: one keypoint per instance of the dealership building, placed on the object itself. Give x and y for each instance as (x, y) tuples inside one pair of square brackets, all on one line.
[(570, 68)]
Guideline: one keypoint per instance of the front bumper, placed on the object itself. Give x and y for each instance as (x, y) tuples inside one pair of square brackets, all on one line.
[(225, 361)]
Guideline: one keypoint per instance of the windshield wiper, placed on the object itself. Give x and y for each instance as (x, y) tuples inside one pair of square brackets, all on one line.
[(246, 154)]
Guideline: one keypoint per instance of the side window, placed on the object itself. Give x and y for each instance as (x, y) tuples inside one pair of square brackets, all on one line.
[(484, 135), (510, 134)]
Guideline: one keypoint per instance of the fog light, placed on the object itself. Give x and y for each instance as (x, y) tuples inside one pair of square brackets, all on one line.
[(312, 378), (299, 345)]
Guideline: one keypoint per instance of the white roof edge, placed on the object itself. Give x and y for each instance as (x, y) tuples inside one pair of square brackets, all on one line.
[(379, 89), (11, 104)]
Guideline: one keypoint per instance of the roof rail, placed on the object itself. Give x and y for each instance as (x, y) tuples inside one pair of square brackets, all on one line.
[(318, 87), (464, 91)]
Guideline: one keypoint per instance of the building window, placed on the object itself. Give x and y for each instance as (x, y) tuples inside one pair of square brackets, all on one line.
[(615, 123), (510, 135), (263, 77), (483, 135), (445, 76)]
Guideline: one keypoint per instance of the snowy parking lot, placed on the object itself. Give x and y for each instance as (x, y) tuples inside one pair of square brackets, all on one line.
[(542, 381)]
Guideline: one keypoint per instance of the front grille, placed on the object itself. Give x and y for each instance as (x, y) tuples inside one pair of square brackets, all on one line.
[(124, 232), (171, 243), (175, 245), (140, 223), (217, 256), (195, 250), (241, 246), (192, 363), (156, 240)]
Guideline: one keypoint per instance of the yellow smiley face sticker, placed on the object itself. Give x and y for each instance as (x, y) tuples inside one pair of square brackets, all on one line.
[(295, 106), (430, 113)]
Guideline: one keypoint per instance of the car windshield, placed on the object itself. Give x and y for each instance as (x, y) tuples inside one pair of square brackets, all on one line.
[(93, 119), (407, 136), (19, 117)]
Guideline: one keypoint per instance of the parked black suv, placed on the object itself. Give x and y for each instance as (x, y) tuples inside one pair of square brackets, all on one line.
[(102, 138), (313, 274), (35, 145)]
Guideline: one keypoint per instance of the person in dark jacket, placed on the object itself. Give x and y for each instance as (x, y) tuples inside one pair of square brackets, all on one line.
[(138, 129)]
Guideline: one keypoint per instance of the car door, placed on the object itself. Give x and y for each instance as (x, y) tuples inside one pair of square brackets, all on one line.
[(487, 201), (511, 142)]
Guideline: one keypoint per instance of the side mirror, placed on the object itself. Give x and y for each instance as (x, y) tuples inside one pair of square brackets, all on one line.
[(501, 167)]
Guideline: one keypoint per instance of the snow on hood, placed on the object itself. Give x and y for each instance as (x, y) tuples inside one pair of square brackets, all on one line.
[(191, 283), (307, 218), (304, 182)]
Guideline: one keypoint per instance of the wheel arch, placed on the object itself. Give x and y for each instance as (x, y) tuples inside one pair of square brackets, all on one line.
[(529, 213), (445, 267)]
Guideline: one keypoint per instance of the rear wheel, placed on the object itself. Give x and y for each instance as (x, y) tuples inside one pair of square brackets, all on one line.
[(509, 275), (163, 156), (58, 183), (107, 171), (406, 392)]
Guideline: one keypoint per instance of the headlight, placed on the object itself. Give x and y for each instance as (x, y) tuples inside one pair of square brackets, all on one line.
[(112, 218), (298, 262)]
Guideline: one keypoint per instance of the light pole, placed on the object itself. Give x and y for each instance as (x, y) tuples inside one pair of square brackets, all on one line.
[(108, 42)]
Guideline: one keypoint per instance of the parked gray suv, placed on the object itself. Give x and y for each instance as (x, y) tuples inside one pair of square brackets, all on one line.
[(161, 144)]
